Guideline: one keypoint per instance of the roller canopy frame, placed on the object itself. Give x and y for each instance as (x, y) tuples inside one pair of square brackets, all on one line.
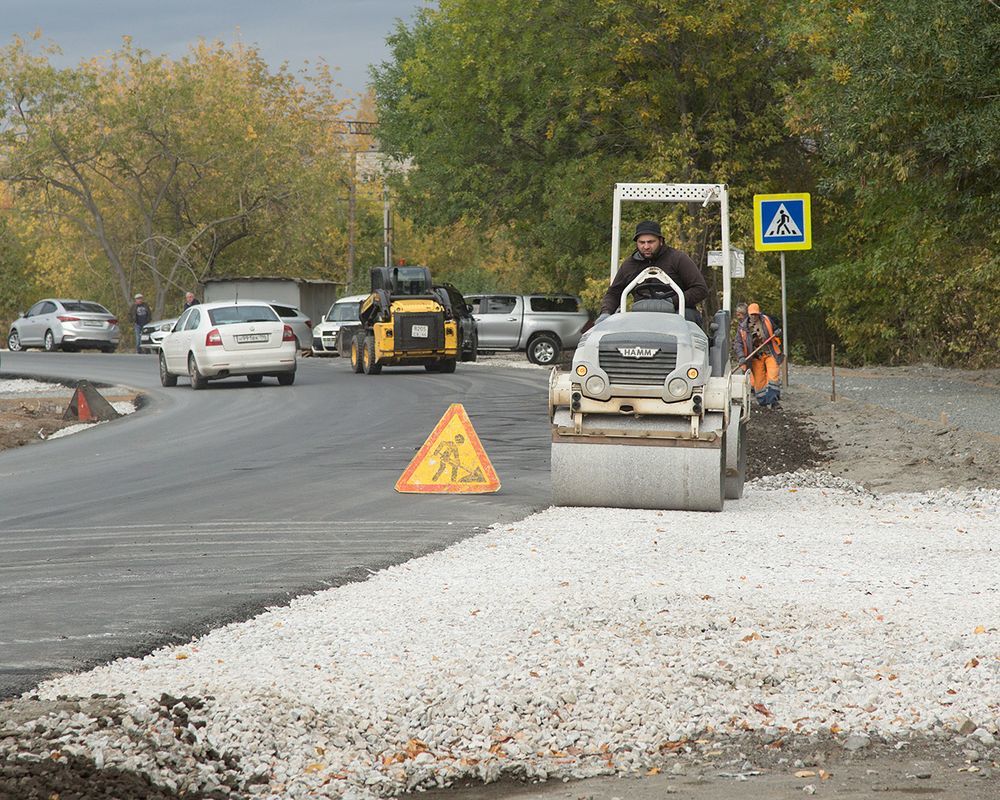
[(703, 193)]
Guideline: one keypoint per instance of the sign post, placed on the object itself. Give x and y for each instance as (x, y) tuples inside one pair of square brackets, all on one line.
[(782, 222)]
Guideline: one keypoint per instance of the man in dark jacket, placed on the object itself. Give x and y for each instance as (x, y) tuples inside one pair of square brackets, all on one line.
[(651, 250), (140, 314)]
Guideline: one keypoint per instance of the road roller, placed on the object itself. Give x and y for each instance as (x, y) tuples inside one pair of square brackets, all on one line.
[(651, 413)]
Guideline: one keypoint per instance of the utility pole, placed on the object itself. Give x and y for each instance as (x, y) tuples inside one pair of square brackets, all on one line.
[(353, 127)]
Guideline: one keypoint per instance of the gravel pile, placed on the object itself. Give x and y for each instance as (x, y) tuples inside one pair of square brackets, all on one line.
[(574, 643), (810, 479)]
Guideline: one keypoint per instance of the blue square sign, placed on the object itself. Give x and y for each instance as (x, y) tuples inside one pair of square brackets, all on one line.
[(782, 222)]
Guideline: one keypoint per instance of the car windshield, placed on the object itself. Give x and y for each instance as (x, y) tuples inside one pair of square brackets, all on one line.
[(227, 315), (83, 305), (344, 312)]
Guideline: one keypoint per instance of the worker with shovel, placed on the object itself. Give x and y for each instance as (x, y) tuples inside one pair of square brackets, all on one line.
[(759, 350)]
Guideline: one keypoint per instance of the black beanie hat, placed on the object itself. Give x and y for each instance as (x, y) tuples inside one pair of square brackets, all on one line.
[(647, 226)]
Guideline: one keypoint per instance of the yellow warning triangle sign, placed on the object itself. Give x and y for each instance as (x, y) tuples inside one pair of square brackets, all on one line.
[(452, 460)]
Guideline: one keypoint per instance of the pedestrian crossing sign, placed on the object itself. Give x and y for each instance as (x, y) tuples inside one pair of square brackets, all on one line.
[(782, 222), (452, 460)]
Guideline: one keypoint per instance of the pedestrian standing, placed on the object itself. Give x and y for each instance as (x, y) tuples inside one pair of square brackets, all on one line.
[(190, 300), (140, 314)]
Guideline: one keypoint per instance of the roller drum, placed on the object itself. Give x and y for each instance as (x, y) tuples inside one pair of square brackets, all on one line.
[(644, 473)]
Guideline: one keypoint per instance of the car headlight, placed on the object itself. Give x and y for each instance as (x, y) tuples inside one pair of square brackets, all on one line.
[(677, 387)]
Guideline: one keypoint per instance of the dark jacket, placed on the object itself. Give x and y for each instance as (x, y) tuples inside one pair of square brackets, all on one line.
[(678, 266), (136, 317)]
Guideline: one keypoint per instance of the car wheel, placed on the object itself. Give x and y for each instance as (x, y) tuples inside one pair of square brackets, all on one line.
[(435, 367), (543, 349), (198, 381), (166, 378), (108, 349), (255, 378), (14, 342), (356, 347), (49, 343), (286, 378), (368, 363), (446, 365)]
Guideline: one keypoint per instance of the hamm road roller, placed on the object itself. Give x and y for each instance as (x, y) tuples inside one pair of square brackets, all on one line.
[(651, 414)]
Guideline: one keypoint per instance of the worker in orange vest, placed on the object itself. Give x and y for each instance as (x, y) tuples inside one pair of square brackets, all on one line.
[(757, 333)]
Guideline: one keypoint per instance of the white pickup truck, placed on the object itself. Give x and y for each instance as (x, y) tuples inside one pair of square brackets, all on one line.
[(541, 325)]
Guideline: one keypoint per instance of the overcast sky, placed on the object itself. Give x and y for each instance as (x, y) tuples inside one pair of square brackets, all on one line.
[(349, 34)]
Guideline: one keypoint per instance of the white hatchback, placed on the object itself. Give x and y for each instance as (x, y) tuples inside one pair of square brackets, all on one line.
[(220, 340)]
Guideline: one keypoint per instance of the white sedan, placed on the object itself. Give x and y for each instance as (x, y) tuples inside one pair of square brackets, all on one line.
[(219, 340)]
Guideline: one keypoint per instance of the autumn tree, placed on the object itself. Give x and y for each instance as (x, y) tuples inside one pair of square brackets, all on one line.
[(165, 167)]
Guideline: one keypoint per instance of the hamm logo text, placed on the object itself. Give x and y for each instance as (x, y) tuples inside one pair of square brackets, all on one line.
[(638, 352)]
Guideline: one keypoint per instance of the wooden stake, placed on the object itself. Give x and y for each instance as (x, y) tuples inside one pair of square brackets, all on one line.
[(833, 373)]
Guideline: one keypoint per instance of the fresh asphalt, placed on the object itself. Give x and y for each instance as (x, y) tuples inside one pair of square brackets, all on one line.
[(205, 507)]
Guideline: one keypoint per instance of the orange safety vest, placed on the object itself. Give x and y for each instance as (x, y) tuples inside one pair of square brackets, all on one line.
[(774, 345)]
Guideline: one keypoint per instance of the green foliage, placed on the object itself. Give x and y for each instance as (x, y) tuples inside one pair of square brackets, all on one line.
[(522, 116), (904, 109)]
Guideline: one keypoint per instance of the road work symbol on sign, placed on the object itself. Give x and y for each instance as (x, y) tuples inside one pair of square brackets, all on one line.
[(452, 460)]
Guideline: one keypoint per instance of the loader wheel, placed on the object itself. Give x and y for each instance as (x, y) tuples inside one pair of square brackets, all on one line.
[(446, 365), (543, 349), (368, 362), (356, 347)]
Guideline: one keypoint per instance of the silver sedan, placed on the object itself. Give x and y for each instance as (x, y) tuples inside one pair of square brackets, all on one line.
[(54, 324)]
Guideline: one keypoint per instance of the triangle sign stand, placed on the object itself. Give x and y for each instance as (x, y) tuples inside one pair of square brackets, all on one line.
[(451, 461)]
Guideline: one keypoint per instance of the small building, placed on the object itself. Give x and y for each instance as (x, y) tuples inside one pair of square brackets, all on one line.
[(314, 297)]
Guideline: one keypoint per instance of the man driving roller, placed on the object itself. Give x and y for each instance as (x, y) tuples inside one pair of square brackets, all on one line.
[(651, 250)]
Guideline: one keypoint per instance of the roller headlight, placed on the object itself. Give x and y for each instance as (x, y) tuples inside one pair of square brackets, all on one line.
[(595, 384), (581, 370), (693, 373), (677, 387)]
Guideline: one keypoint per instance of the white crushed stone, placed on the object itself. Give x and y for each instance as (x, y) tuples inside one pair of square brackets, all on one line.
[(583, 641), (121, 406), (25, 386)]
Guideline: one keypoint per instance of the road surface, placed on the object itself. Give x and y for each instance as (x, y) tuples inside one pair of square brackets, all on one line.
[(206, 506)]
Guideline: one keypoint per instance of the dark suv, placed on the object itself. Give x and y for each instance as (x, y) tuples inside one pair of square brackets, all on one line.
[(468, 331)]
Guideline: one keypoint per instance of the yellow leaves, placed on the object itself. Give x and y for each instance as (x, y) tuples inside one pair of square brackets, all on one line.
[(752, 637), (760, 708), (181, 656), (972, 663), (980, 629), (841, 73), (805, 773)]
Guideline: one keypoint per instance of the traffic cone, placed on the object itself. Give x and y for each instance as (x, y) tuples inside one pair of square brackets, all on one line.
[(87, 405)]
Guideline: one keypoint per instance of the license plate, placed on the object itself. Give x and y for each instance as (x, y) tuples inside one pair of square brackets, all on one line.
[(93, 323), (419, 331), (250, 338)]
